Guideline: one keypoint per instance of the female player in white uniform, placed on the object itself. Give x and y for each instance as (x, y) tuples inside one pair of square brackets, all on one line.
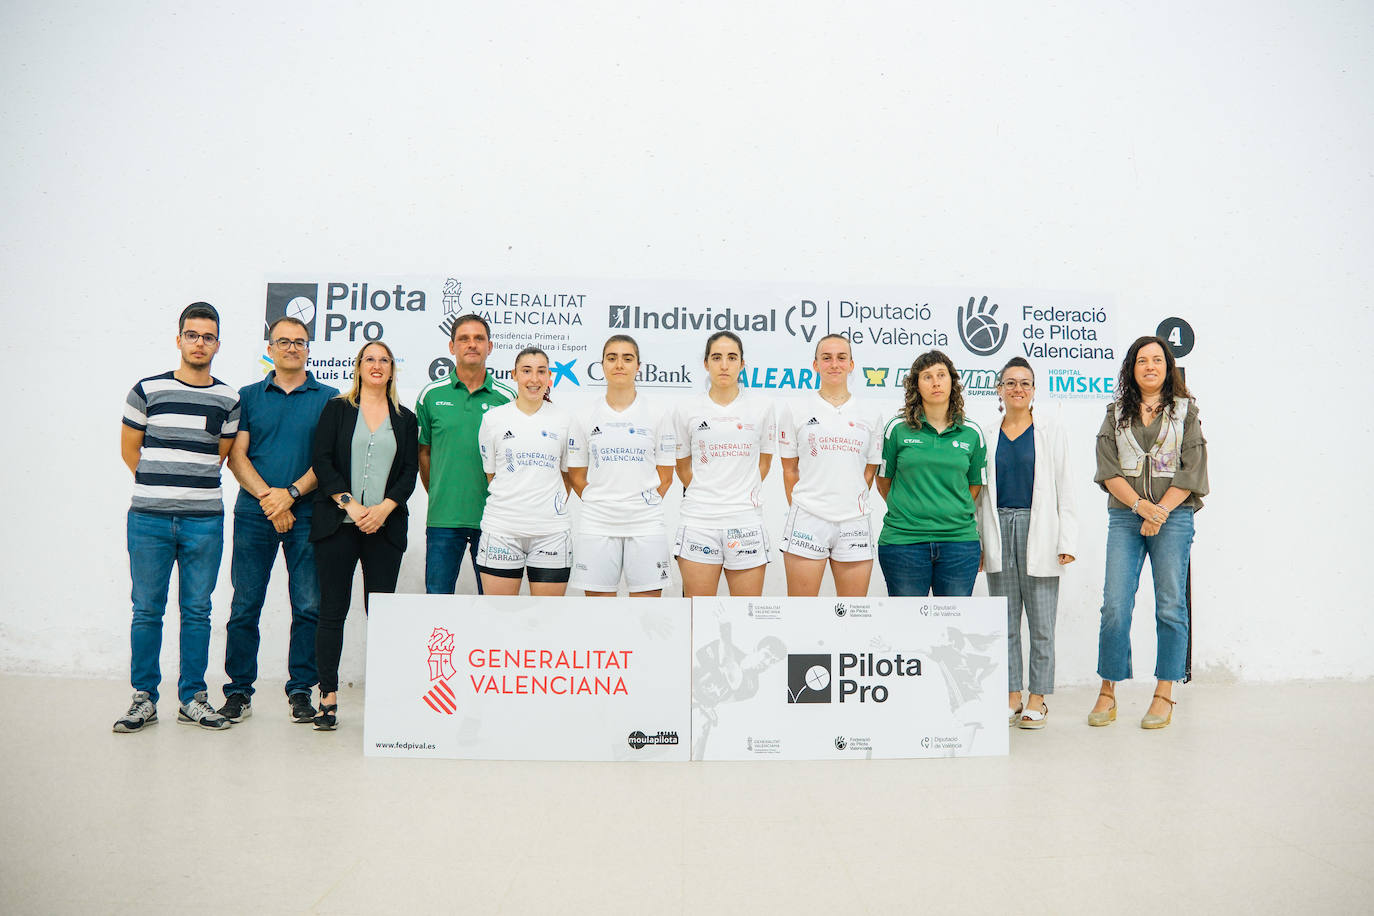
[(830, 445), (725, 443), (620, 462), (525, 526)]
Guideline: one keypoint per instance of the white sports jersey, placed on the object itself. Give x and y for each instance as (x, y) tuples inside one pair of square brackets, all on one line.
[(725, 444), (527, 454), (832, 445), (621, 451)]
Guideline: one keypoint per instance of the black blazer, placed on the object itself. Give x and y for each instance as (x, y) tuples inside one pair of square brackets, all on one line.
[(332, 458)]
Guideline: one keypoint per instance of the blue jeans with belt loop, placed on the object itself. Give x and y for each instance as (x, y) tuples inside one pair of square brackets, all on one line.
[(1039, 595), (1127, 549)]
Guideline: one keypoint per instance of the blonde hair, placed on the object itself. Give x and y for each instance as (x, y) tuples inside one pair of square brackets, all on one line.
[(352, 394)]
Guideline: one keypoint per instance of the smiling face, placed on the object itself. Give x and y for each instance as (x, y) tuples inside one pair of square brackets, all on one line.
[(470, 345), (1151, 368), (934, 386), (619, 362), (833, 362), (375, 367), (532, 377), (1016, 387), (291, 356), (723, 363)]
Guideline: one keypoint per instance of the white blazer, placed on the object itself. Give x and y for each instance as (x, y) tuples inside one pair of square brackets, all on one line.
[(1053, 518)]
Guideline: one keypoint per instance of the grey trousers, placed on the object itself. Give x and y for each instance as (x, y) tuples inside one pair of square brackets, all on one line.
[(1039, 595)]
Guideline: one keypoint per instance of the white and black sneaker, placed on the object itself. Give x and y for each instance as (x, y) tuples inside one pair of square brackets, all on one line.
[(236, 708), (301, 711), (200, 712), (141, 712)]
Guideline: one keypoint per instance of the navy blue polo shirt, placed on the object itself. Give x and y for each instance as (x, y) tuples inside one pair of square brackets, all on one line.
[(281, 430)]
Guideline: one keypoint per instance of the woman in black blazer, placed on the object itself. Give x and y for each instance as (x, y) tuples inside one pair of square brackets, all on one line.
[(366, 456)]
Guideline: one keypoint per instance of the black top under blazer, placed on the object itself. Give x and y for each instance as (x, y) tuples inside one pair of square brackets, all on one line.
[(332, 459)]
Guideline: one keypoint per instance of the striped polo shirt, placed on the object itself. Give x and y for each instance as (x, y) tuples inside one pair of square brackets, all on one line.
[(182, 425)]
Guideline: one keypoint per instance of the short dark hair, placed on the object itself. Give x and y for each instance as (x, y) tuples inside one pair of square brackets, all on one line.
[(290, 319), (1016, 362), (730, 335), (198, 310), (464, 319), (620, 338)]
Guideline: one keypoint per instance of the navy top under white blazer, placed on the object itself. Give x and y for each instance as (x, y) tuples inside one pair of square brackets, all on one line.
[(332, 459), (1053, 512)]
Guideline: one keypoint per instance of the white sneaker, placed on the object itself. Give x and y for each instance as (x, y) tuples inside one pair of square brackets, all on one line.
[(141, 712), (200, 712)]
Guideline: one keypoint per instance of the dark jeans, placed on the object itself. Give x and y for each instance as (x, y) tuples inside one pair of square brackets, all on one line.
[(255, 551), (336, 558), (195, 543), (444, 557), (945, 569)]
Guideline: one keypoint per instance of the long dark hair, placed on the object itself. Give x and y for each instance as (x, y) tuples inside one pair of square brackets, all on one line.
[(1128, 392), (913, 410), (728, 335)]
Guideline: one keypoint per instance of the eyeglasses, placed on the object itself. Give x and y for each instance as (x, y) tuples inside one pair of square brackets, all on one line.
[(1024, 384), (378, 360), (288, 343), (191, 337)]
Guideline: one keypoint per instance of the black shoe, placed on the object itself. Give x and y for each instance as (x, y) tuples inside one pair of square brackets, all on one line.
[(328, 719), (236, 708), (301, 710)]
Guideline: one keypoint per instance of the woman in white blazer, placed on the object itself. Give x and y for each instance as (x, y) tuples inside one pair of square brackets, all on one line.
[(1029, 530)]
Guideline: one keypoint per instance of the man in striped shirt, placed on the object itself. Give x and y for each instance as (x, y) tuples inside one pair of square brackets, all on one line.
[(177, 431)]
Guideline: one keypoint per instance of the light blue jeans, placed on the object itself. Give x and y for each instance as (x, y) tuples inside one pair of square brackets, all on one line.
[(195, 544), (1127, 549)]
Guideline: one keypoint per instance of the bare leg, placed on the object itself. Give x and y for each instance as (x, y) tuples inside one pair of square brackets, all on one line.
[(1159, 707), (746, 582), (803, 575), (851, 579), (499, 585), (1014, 701), (1108, 697), (598, 594), (699, 580), (656, 593), (547, 589)]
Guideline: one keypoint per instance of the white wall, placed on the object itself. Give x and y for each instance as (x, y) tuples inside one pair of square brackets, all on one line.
[(1207, 162)]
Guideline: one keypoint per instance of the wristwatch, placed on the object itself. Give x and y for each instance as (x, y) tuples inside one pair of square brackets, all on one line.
[(295, 493), (345, 499)]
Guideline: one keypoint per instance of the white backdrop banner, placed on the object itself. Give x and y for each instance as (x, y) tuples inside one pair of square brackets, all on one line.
[(840, 678), (1069, 337), (525, 678)]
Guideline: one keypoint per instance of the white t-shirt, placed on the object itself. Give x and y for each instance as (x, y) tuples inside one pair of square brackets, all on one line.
[(725, 444), (621, 451), (527, 454), (832, 445)]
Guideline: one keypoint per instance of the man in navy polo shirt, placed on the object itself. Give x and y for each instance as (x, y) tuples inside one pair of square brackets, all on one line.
[(271, 459)]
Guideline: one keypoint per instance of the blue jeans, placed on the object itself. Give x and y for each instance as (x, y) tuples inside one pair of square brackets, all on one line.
[(944, 568), (444, 557), (194, 543), (255, 550), (1127, 549)]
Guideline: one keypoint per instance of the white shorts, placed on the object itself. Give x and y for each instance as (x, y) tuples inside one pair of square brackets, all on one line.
[(735, 548), (600, 560), (805, 535), (547, 551)]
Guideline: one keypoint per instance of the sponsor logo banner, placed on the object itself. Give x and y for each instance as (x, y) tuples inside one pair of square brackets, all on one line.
[(526, 678), (1068, 337), (816, 678)]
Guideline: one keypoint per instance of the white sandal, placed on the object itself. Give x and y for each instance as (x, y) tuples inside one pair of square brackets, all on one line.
[(1015, 718), (1034, 718)]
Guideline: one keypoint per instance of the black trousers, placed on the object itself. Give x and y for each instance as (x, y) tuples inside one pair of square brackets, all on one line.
[(336, 558)]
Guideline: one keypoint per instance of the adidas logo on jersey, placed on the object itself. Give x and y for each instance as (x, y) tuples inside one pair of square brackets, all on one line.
[(813, 422), (704, 425), (508, 435), (596, 431)]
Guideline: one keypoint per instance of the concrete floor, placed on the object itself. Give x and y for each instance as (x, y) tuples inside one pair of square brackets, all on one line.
[(1258, 799)]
